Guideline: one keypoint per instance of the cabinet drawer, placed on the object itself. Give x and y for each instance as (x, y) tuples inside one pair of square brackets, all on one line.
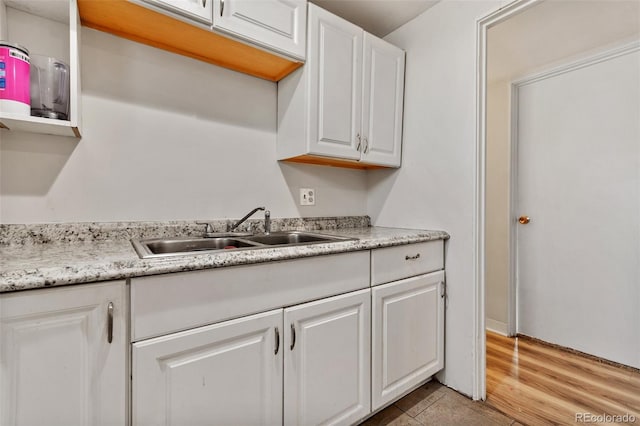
[(167, 303), (395, 263)]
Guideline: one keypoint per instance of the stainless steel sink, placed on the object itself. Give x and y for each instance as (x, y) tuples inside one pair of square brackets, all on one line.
[(162, 247), (292, 238)]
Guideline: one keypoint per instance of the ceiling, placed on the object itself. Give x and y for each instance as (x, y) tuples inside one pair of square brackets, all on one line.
[(558, 30), (378, 17)]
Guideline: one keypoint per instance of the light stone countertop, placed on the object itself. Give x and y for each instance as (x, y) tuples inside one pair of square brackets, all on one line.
[(31, 266)]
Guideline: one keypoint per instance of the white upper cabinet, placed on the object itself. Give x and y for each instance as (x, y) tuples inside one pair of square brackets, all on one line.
[(335, 85), (279, 25), (382, 102), (199, 10), (63, 354), (344, 107)]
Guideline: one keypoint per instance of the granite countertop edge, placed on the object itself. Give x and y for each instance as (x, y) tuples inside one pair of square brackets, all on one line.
[(72, 264)]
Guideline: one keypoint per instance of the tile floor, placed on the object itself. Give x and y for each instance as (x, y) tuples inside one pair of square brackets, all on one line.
[(435, 404)]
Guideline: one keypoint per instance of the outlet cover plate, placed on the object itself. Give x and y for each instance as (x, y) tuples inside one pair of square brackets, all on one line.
[(307, 197)]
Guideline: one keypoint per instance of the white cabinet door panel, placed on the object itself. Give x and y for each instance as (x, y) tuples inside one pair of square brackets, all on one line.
[(200, 10), (327, 370), (335, 85), (279, 24), (408, 335), (58, 367), (382, 103), (227, 374)]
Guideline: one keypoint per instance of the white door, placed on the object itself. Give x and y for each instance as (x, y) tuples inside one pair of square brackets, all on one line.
[(199, 10), (327, 360), (335, 99), (382, 102), (223, 374), (407, 335), (279, 24), (579, 183), (58, 366)]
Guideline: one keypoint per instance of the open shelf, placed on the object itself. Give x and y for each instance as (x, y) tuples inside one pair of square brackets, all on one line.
[(41, 125), (49, 28)]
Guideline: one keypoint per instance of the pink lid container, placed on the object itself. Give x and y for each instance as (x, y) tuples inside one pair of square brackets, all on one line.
[(14, 79)]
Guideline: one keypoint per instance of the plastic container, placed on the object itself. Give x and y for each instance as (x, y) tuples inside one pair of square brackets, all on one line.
[(15, 94), (49, 87)]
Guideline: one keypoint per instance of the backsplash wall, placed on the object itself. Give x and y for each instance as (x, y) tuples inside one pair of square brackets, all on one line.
[(164, 137)]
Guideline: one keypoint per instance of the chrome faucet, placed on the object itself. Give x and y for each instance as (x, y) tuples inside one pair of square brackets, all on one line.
[(267, 220)]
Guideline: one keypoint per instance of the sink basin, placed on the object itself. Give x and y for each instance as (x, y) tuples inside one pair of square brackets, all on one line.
[(292, 238), (175, 246), (162, 247)]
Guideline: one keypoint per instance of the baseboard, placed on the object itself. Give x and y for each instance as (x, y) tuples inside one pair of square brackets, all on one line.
[(496, 326)]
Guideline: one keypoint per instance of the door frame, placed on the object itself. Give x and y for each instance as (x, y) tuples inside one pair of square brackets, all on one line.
[(553, 71), (482, 26)]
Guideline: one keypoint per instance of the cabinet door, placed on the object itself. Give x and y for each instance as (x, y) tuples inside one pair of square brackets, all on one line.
[(278, 24), (226, 374), (334, 61), (199, 10), (407, 335), (58, 367), (327, 360), (382, 104)]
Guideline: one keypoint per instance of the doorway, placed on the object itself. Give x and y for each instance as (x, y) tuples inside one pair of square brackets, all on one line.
[(534, 51)]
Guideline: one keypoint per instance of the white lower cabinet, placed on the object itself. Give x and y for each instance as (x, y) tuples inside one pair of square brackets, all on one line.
[(407, 335), (223, 374), (232, 373), (327, 360), (63, 355)]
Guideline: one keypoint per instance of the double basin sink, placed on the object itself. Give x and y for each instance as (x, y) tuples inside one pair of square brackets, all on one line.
[(163, 247)]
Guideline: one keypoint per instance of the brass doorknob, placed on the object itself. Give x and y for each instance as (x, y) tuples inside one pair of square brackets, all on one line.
[(524, 220)]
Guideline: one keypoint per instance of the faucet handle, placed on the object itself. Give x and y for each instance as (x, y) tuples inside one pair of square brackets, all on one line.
[(208, 229)]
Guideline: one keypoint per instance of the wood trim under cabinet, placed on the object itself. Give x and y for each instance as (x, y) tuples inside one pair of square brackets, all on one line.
[(128, 20), (333, 162)]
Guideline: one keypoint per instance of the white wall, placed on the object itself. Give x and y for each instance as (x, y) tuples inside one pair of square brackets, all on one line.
[(164, 138), (435, 186), (497, 206)]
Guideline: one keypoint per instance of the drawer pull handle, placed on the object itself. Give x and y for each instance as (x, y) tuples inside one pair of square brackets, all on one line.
[(407, 257), (110, 322), (293, 336), (277, 342)]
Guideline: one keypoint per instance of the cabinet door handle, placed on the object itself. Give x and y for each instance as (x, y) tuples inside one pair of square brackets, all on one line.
[(293, 336), (277, 342), (359, 142), (366, 146), (407, 257), (221, 7), (110, 322)]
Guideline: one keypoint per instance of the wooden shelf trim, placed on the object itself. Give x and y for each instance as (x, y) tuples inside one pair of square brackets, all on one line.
[(133, 22)]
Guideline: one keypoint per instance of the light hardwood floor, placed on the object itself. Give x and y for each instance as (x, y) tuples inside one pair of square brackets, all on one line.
[(537, 384)]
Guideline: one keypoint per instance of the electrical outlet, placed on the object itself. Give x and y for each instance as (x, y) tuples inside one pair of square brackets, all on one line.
[(307, 197)]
